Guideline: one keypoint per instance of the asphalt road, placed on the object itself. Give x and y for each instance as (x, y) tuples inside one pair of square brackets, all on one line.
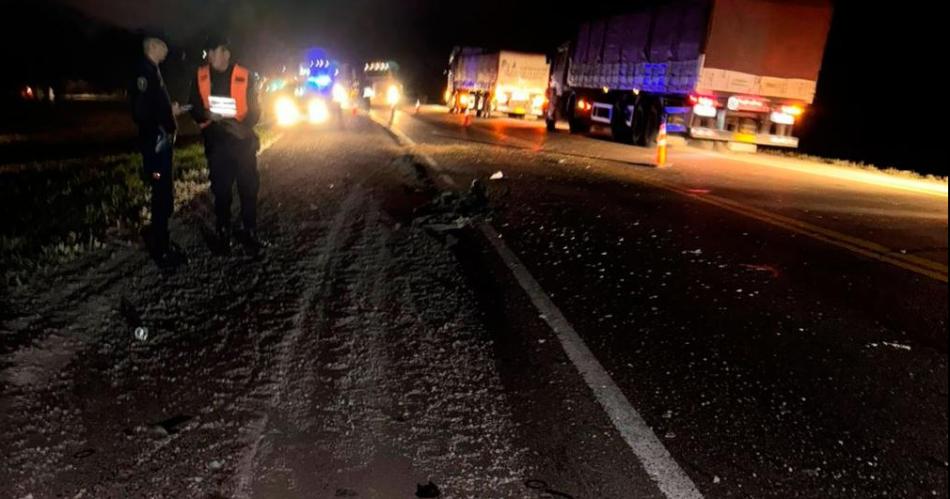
[(778, 333)]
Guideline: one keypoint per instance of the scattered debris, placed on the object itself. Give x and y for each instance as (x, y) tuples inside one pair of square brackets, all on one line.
[(814, 473), (542, 487), (763, 268), (140, 333), (215, 465), (84, 453), (716, 479), (497, 175), (891, 344), (427, 490), (173, 424), (345, 493), (452, 211)]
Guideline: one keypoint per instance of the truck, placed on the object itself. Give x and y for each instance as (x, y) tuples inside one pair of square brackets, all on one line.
[(507, 82), (733, 72), (381, 85), (309, 96)]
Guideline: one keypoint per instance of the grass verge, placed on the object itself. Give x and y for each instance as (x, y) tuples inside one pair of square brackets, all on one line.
[(59, 210)]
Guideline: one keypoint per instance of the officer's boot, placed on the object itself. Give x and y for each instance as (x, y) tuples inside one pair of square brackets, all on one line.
[(253, 241), (224, 239)]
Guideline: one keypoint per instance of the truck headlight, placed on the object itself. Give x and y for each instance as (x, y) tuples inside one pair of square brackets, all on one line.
[(393, 95), (317, 111), (287, 112), (339, 95)]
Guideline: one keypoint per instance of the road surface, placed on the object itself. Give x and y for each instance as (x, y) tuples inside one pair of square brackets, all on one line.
[(589, 327)]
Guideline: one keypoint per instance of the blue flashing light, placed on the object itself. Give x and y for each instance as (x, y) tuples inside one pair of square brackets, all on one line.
[(321, 81), (675, 128)]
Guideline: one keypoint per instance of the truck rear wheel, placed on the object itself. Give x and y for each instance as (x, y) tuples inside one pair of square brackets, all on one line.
[(646, 122), (578, 125), (621, 131)]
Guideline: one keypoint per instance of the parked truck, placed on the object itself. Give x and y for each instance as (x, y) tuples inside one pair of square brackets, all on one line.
[(740, 72), (512, 83)]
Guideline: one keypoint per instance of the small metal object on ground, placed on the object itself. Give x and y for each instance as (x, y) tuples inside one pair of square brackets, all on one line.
[(141, 333)]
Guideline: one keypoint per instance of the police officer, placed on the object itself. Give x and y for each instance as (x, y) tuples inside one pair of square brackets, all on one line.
[(154, 113), (224, 104)]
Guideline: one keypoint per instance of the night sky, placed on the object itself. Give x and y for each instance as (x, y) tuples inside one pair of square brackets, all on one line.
[(874, 79)]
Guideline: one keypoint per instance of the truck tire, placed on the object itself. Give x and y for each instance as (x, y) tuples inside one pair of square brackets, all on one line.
[(646, 122), (621, 132), (652, 125), (578, 125)]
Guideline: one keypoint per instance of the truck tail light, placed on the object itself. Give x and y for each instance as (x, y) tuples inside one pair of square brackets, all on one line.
[(583, 105), (703, 100), (792, 110)]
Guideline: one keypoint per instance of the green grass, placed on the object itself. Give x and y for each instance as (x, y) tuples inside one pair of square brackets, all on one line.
[(58, 210)]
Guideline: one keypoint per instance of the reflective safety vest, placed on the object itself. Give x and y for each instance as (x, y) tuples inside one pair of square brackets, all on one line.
[(239, 83)]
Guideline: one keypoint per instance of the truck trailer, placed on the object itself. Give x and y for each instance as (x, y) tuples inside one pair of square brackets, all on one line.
[(507, 82), (740, 72)]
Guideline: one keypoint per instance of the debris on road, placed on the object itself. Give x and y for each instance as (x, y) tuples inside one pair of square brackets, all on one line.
[(891, 344), (428, 490), (140, 333), (497, 175), (452, 211), (763, 268), (173, 424)]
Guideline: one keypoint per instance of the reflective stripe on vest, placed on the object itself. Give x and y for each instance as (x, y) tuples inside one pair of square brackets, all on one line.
[(239, 83)]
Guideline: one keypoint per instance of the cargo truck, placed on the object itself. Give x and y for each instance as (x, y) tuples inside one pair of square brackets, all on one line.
[(506, 82), (739, 72)]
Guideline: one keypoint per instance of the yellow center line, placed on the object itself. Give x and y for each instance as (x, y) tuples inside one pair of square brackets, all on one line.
[(913, 263)]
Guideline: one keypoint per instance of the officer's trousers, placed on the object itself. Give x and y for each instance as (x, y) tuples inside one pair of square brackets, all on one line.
[(163, 191), (230, 162)]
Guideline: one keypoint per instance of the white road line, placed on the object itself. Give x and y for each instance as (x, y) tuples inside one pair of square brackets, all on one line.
[(656, 460), (405, 141)]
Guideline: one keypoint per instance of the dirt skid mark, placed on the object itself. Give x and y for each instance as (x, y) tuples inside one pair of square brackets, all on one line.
[(394, 384), (294, 364)]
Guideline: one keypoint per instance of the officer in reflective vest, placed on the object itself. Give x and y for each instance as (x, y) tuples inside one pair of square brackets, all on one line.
[(224, 104)]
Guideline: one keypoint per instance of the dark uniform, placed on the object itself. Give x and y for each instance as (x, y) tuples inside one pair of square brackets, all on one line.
[(230, 145), (152, 112)]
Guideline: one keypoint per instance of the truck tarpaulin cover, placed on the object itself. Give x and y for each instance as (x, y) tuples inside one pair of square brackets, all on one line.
[(776, 38)]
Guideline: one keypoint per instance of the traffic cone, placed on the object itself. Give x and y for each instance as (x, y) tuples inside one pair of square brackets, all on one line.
[(661, 146)]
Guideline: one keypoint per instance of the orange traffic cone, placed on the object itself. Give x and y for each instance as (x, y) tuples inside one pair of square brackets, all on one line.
[(661, 146)]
